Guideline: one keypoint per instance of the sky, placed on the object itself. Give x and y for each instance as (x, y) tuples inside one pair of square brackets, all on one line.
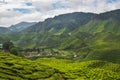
[(16, 11)]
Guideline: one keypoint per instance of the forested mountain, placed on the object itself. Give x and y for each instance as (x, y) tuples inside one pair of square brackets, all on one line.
[(69, 22), (98, 39), (74, 46), (90, 36), (53, 30)]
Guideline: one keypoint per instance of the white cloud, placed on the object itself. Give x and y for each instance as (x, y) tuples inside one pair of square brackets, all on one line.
[(42, 9)]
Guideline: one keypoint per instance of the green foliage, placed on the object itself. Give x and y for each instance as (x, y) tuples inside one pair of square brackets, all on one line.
[(14, 50), (7, 45), (95, 39), (111, 55), (17, 68), (87, 70)]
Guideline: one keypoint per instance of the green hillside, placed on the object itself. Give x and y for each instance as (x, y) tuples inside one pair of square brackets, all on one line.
[(17, 68), (75, 46), (87, 70), (51, 32), (98, 39), (89, 36)]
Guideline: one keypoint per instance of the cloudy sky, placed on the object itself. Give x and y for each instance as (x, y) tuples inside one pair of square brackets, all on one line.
[(15, 11)]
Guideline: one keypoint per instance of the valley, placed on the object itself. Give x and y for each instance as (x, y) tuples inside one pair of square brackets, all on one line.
[(73, 46)]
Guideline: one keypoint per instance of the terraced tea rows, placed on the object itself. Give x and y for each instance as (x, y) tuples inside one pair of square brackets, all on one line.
[(17, 68)]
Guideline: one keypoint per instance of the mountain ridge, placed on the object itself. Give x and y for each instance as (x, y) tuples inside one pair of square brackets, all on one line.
[(61, 21), (83, 34), (21, 26)]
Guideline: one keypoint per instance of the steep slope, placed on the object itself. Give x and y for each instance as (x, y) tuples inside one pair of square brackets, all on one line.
[(52, 31), (68, 21), (89, 36), (98, 39)]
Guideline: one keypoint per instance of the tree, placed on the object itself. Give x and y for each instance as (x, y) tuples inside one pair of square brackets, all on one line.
[(14, 50), (9, 46)]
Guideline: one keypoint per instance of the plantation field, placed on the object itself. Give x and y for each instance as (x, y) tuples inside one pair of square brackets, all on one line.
[(18, 68), (88, 70)]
